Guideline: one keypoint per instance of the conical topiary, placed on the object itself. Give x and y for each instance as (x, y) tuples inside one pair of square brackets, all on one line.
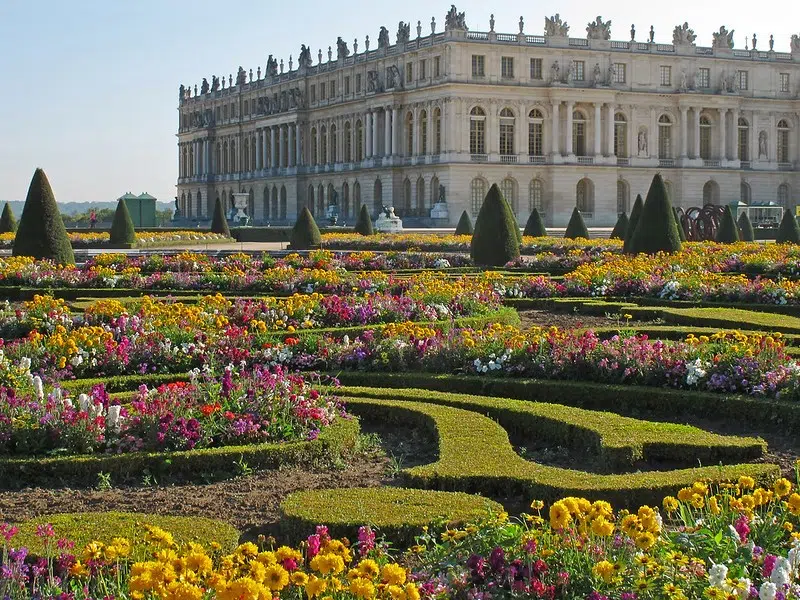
[(636, 212), (496, 238), (534, 227), (8, 224), (364, 222), (305, 235), (728, 232), (788, 232), (618, 233), (681, 232), (746, 233), (122, 231), (41, 233), (576, 228), (656, 230), (464, 226), (219, 224)]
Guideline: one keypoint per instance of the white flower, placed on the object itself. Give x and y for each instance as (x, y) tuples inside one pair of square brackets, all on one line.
[(768, 591), (743, 588), (113, 420), (346, 340), (694, 372), (76, 360), (25, 363), (717, 575), (38, 387), (83, 402), (780, 573)]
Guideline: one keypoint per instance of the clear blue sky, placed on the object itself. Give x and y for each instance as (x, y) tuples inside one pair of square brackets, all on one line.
[(90, 87)]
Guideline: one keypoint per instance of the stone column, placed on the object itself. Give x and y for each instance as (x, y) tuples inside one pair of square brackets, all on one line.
[(264, 142), (723, 138), (258, 149), (207, 169), (395, 129), (274, 144), (281, 147), (368, 140), (298, 150), (696, 132), (387, 131), (290, 147), (684, 129), (735, 123), (415, 134), (570, 106), (444, 124), (375, 147), (610, 112), (555, 134), (772, 139), (597, 130)]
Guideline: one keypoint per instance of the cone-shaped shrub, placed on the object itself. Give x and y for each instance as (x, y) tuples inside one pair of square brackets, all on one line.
[(41, 232), (122, 231), (534, 227), (364, 222), (464, 226), (8, 223), (746, 233), (305, 234), (728, 232), (576, 228), (681, 232), (496, 238), (656, 230), (219, 224), (636, 212), (788, 232), (618, 233)]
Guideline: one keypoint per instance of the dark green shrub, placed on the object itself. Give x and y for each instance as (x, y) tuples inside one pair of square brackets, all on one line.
[(534, 227), (636, 212), (305, 234), (656, 230), (576, 228), (681, 232), (122, 231), (496, 239), (618, 233), (788, 232), (364, 222), (41, 233), (728, 232), (746, 233), (219, 224), (464, 226), (8, 223)]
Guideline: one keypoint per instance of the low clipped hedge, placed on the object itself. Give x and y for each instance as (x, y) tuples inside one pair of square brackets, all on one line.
[(338, 438), (396, 513), (83, 528)]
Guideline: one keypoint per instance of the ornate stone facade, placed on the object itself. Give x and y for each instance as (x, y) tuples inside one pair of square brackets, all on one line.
[(555, 121)]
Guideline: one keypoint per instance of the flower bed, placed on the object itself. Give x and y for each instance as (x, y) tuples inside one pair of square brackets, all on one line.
[(92, 239)]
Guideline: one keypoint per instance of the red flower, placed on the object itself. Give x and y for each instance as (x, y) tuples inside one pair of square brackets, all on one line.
[(208, 409), (229, 415), (290, 341)]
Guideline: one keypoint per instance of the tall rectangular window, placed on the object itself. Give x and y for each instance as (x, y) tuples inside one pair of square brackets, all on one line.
[(322, 91), (423, 68), (437, 65), (535, 138), (347, 85), (409, 72), (619, 72), (784, 87), (536, 68), (312, 91), (703, 78), (477, 136), (666, 76), (507, 67), (332, 87), (358, 83), (579, 66), (742, 79), (478, 65)]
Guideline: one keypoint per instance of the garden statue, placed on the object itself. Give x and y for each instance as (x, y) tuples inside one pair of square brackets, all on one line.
[(762, 144), (304, 58), (652, 34), (723, 38), (599, 29), (403, 32), (383, 39), (342, 51), (683, 35), (642, 142), (272, 66), (455, 19), (633, 32), (554, 26)]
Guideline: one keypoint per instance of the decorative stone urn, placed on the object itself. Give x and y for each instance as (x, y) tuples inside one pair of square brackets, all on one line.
[(240, 204)]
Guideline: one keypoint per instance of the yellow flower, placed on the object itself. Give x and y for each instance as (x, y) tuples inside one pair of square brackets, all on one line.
[(670, 504), (93, 551), (362, 588), (412, 593), (601, 527), (276, 578), (793, 504), (299, 578), (368, 568), (559, 515), (393, 574), (78, 570), (747, 483), (645, 540), (181, 590), (315, 586), (158, 537), (782, 487), (713, 505), (537, 505), (605, 570)]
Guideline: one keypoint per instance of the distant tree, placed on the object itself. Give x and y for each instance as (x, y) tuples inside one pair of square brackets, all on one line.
[(464, 226), (122, 231), (618, 233), (636, 212), (656, 230), (728, 232), (8, 223), (788, 231), (364, 222), (576, 228), (305, 234), (41, 232), (681, 232), (535, 226), (219, 224), (496, 239), (746, 233)]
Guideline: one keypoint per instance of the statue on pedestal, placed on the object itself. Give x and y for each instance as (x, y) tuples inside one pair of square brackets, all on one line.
[(599, 29), (554, 26)]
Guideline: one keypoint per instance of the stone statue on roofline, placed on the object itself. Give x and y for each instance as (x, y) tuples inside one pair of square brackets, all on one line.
[(723, 38), (304, 59), (214, 83), (599, 29), (383, 38), (342, 51), (241, 76), (204, 87), (683, 35), (795, 43), (455, 20), (403, 32), (272, 67), (554, 26)]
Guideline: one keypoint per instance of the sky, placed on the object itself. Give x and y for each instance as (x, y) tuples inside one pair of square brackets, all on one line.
[(90, 87)]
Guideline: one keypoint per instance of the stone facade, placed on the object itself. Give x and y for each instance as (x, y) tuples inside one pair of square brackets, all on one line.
[(554, 120)]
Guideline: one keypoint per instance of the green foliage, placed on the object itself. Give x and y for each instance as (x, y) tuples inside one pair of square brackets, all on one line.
[(122, 231), (496, 240), (788, 232), (41, 233), (636, 213), (681, 232), (576, 228), (397, 513), (535, 227), (364, 222), (8, 223), (746, 233), (219, 224), (305, 235), (618, 233), (728, 232), (464, 226), (656, 230)]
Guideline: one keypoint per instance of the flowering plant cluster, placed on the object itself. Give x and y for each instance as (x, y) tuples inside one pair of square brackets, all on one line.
[(91, 238)]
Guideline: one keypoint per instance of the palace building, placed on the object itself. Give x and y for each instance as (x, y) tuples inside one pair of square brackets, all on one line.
[(437, 117)]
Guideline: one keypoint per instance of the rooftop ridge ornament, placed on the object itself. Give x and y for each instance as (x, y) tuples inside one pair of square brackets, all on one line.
[(598, 29), (723, 39), (682, 34), (555, 27), (455, 20)]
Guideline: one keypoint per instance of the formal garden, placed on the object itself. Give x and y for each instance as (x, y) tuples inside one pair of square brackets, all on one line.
[(484, 415)]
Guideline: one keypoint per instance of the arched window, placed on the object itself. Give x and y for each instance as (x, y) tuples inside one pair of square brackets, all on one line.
[(359, 141), (310, 199), (705, 138), (584, 198), (323, 145), (477, 194), (283, 203), (710, 193), (321, 200), (509, 188), (406, 197), (377, 196), (744, 192), (421, 197), (506, 132), (265, 202), (664, 137), (348, 143), (620, 135), (535, 196), (356, 198), (477, 131), (623, 196), (784, 195), (437, 131), (578, 133), (743, 129), (783, 141), (334, 145), (274, 204), (331, 194), (314, 147), (345, 200), (409, 133), (434, 191), (423, 132), (535, 133)]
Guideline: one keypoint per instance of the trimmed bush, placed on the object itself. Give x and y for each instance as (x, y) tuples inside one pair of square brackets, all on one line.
[(397, 513), (83, 528), (219, 224), (41, 233), (788, 232), (746, 233), (496, 239), (305, 235), (636, 213), (8, 223), (681, 232), (535, 227), (464, 226), (618, 233), (122, 231), (656, 230), (576, 228), (364, 222), (728, 232)]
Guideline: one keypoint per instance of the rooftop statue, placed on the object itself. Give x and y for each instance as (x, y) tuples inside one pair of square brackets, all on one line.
[(204, 87), (383, 38), (795, 43), (455, 20), (599, 29), (304, 59), (342, 51), (272, 67), (214, 83), (554, 26), (723, 38), (683, 35), (403, 32), (241, 77)]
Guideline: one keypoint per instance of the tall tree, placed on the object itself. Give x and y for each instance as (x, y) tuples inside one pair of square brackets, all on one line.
[(41, 232)]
